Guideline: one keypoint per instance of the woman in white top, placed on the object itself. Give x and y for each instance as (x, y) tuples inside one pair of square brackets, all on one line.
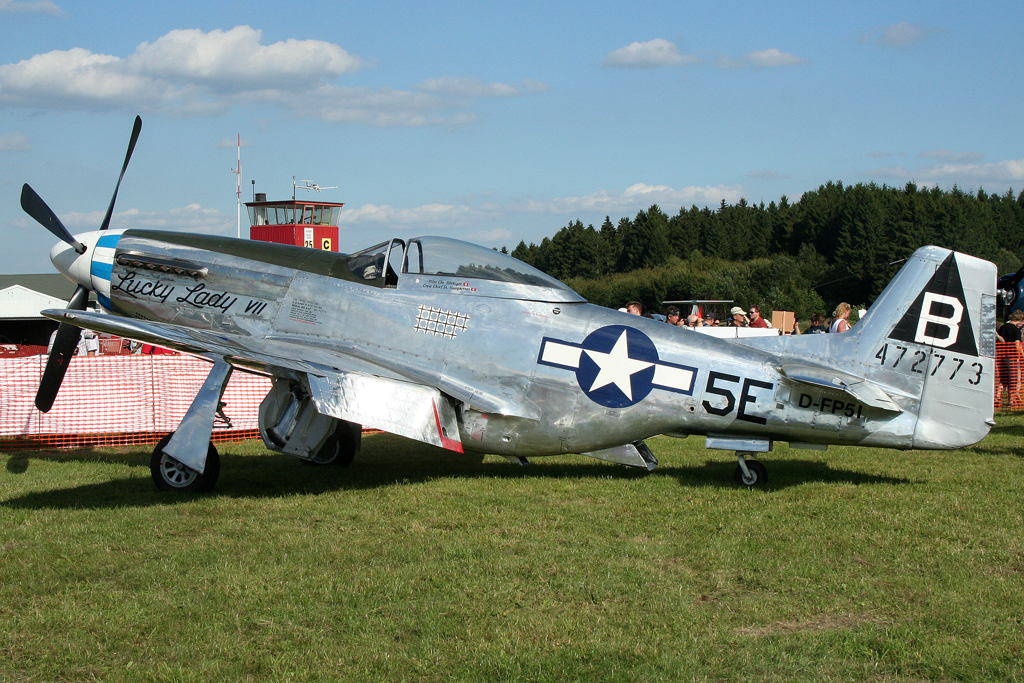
[(839, 317)]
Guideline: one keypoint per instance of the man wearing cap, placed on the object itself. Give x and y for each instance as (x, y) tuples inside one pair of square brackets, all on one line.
[(736, 317)]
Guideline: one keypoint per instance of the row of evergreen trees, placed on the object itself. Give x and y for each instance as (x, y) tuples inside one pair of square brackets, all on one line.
[(837, 243)]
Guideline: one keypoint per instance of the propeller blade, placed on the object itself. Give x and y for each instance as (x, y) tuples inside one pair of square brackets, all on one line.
[(60, 355), (1017, 277), (34, 206), (136, 129)]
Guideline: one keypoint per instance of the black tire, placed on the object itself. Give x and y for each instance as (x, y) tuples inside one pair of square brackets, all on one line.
[(170, 475), (339, 450), (758, 474)]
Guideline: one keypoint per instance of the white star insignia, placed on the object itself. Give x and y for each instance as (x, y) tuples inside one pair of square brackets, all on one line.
[(617, 367)]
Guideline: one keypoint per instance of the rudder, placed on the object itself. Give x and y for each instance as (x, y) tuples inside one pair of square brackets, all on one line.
[(933, 332)]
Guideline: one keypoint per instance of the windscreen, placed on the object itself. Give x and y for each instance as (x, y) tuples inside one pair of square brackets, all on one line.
[(443, 256)]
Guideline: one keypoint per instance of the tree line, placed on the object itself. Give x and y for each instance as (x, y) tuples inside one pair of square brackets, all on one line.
[(836, 243)]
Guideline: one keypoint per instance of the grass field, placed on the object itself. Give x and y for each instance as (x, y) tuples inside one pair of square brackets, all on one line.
[(416, 565)]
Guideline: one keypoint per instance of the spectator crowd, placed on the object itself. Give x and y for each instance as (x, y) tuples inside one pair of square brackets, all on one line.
[(738, 317)]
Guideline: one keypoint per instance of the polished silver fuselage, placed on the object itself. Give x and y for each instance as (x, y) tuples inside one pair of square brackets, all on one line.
[(531, 370)]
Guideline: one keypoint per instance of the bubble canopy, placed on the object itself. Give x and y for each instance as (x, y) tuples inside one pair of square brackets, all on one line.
[(444, 257)]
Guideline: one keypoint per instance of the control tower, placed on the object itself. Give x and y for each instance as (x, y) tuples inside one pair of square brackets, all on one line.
[(302, 223)]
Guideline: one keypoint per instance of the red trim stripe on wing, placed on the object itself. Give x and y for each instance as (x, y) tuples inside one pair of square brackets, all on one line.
[(450, 444)]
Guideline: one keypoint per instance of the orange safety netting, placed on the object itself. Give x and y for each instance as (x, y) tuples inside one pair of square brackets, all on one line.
[(1009, 394), (119, 400)]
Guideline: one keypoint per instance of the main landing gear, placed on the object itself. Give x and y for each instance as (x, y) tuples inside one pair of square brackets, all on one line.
[(750, 472), (185, 460), (340, 448), (171, 475)]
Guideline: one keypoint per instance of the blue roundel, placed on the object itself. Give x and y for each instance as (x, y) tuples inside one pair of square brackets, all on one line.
[(617, 366)]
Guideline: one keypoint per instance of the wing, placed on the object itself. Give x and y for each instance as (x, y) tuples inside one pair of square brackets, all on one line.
[(343, 386)]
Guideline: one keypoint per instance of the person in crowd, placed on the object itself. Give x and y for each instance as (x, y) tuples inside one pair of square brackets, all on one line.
[(1011, 329), (710, 319), (694, 321), (817, 324), (635, 308), (672, 316), (736, 317), (839, 317), (89, 343), (755, 318), (796, 326), (1011, 358)]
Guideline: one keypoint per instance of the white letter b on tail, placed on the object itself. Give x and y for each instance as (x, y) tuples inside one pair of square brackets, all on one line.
[(951, 322)]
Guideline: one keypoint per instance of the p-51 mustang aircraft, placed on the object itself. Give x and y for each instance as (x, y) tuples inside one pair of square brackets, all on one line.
[(465, 348)]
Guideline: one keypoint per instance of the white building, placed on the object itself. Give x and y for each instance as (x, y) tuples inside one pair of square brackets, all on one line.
[(21, 299)]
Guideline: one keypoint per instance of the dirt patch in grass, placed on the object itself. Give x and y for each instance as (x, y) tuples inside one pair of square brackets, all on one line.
[(818, 622)]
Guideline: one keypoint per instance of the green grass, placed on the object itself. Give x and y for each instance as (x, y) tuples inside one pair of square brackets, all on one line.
[(414, 564)]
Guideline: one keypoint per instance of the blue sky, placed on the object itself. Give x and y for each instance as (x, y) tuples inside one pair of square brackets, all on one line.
[(493, 122)]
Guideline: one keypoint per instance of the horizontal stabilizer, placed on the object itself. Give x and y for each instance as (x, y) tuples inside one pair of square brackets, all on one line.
[(855, 387)]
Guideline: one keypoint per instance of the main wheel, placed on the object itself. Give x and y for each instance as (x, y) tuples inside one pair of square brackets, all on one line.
[(758, 474), (171, 475), (340, 449)]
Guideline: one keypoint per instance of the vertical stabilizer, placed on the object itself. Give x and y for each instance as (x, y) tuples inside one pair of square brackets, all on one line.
[(932, 332)]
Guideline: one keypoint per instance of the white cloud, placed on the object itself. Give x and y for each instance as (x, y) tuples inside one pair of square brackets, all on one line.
[(41, 6), (902, 34), (534, 86), (14, 143), (468, 87), (470, 219), (183, 68), (1011, 170), (190, 218), (946, 155), (191, 73), (491, 236), (232, 143), (428, 216), (762, 59), (382, 107), (657, 52), (235, 60), (636, 197), (772, 57), (963, 174)]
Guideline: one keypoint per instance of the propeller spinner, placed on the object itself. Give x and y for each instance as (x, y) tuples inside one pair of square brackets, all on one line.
[(67, 335)]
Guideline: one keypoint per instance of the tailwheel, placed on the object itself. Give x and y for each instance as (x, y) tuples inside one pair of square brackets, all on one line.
[(171, 475), (750, 472)]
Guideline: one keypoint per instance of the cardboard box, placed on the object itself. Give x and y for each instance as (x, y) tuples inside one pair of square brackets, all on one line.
[(783, 320)]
